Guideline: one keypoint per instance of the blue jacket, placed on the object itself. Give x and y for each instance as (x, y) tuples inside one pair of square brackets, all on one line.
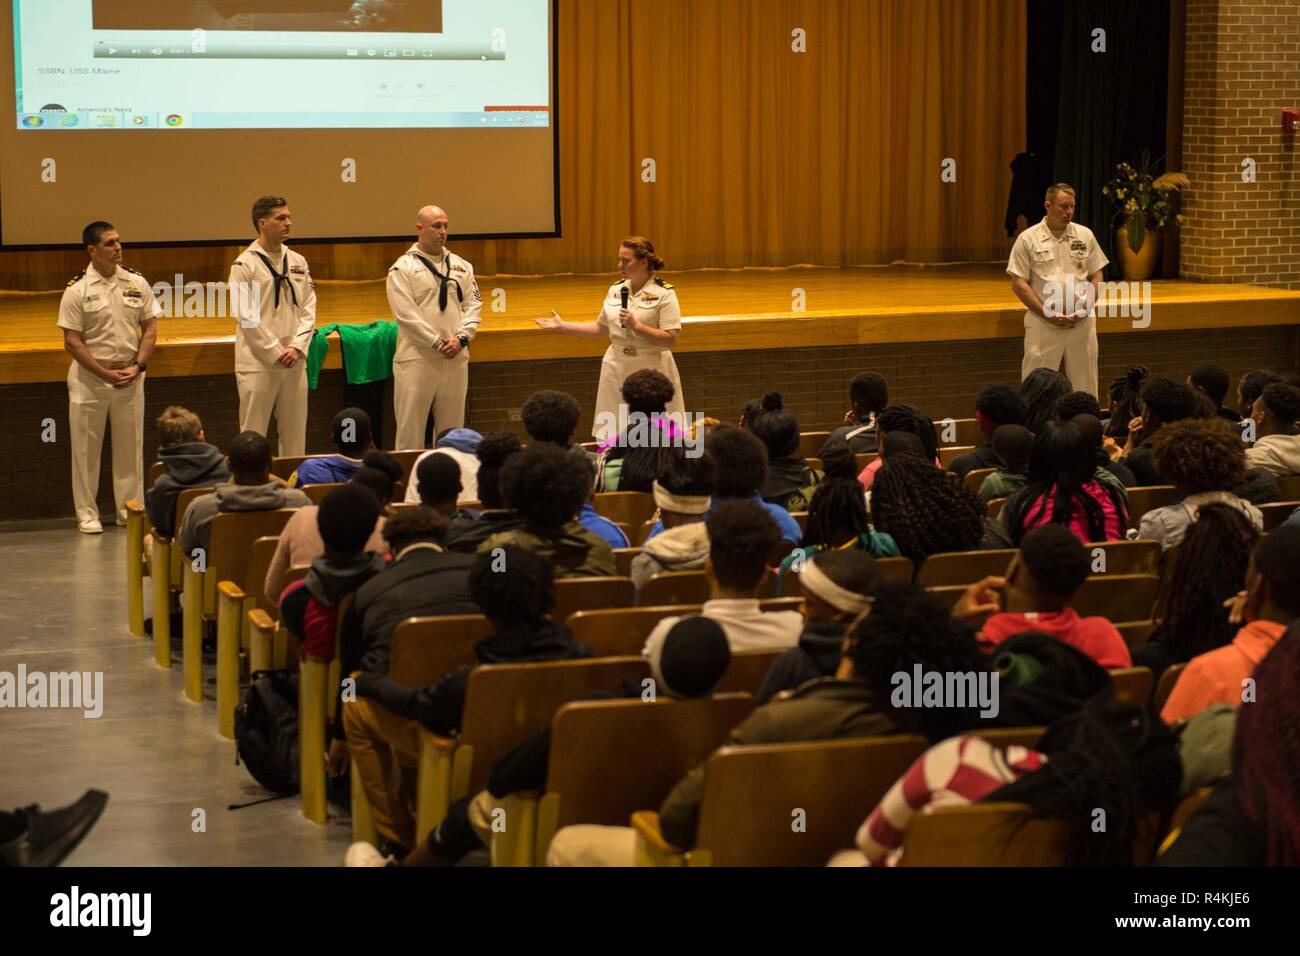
[(788, 527), (330, 469), (602, 527)]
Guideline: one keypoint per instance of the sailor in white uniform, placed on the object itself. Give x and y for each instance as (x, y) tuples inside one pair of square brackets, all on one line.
[(435, 299), (643, 319), (276, 306), (108, 317)]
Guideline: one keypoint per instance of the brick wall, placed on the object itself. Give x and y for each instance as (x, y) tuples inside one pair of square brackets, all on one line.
[(1242, 68), (940, 378)]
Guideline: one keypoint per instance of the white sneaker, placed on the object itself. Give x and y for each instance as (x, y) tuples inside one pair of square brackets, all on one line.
[(90, 527), (365, 854), (121, 519)]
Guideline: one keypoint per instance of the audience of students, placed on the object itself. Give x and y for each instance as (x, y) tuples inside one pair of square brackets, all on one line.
[(1164, 402), (925, 510), (1203, 459), (868, 397), (1082, 406), (790, 482), (629, 460), (1212, 382), (250, 488), (1277, 442), (552, 416), (1251, 387), (1012, 444), (350, 430), (902, 418), (683, 493), (188, 462), (468, 531), (1041, 390), (995, 405)]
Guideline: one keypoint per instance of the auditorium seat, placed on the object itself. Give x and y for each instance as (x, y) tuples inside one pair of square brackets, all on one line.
[(810, 443), (975, 478), (455, 767), (1290, 485), (594, 777), (963, 567), (949, 453), (1011, 736), (429, 647), (994, 507), (801, 517), (746, 671), (318, 492), (1274, 514), (1117, 597), (1185, 811), (1126, 557), (588, 594), (623, 558), (863, 459), (983, 834), (687, 587), (1135, 632), (1165, 686), (1144, 498), (966, 431), (137, 526), (622, 632), (1133, 684), (626, 507), (783, 804)]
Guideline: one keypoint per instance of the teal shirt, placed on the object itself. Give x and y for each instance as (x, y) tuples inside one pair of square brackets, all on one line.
[(875, 543)]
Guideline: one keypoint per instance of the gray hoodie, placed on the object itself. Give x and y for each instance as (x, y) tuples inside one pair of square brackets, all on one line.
[(683, 548), (189, 465), (1279, 454), (196, 528)]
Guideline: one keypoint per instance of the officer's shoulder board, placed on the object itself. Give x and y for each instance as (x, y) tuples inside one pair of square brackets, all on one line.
[(132, 271), (77, 278), (661, 282)]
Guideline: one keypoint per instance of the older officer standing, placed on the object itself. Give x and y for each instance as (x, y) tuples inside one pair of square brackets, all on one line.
[(108, 318), (1051, 266), (435, 300), (277, 318)]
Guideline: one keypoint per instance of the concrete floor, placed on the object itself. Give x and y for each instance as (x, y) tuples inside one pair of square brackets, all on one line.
[(157, 755)]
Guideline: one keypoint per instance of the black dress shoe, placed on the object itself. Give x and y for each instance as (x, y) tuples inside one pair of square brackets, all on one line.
[(45, 839)]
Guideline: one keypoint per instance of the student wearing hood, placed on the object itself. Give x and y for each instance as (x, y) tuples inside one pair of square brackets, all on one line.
[(459, 444)]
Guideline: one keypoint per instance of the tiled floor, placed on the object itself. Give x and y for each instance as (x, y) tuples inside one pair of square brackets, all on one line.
[(157, 755)]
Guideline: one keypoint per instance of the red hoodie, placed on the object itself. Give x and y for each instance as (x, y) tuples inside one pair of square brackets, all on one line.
[(1094, 636)]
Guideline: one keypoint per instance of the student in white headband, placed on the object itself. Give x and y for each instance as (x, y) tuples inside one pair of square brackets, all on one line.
[(836, 589)]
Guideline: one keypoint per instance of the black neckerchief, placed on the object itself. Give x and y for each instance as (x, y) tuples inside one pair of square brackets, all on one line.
[(442, 281), (278, 277)]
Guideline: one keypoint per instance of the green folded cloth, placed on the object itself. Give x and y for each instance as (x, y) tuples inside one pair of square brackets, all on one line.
[(367, 351)]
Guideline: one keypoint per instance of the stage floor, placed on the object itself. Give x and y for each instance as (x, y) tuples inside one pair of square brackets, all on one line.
[(725, 310)]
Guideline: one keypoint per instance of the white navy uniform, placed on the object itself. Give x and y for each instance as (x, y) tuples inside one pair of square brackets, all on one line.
[(110, 313), (280, 312), (655, 305), (433, 300), (1041, 257)]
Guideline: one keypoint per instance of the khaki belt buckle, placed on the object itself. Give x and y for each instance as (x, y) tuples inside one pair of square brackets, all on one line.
[(629, 350)]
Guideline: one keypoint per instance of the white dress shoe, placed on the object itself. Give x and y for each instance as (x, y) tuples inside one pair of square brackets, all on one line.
[(90, 527)]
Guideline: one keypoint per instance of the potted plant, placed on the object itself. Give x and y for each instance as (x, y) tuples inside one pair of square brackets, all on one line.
[(1142, 211)]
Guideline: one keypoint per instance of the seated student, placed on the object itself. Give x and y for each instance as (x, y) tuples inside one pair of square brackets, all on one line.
[(1277, 445), (741, 536), (346, 522), (1066, 487), (461, 446), (836, 588), (995, 405), (1250, 818), (1108, 754), (740, 460), (251, 488), (591, 519), (189, 460), (629, 460), (693, 658), (1013, 444), (552, 416), (1206, 571), (1269, 605), (1251, 387), (837, 514), (906, 628), (382, 724), (1050, 567), (1082, 406), (351, 433), (790, 482), (683, 493), (926, 511), (901, 418), (1164, 402), (1212, 382), (438, 483), (467, 532), (1125, 405), (546, 486), (300, 539), (1202, 459), (868, 397), (1041, 390)]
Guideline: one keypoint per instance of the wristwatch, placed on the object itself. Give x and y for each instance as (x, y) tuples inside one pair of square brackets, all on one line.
[(142, 366), (464, 340)]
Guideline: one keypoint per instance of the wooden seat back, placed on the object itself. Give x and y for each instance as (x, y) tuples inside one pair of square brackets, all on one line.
[(626, 507), (746, 671), (1144, 498), (1290, 485), (1012, 736), (506, 703), (600, 779), (622, 632), (1117, 597), (993, 507), (1133, 684), (1135, 632), (951, 452), (1165, 686), (623, 558), (1274, 514), (810, 443), (983, 834), (963, 567), (426, 648), (753, 797), (1126, 557), (966, 430), (589, 594), (318, 492), (975, 478), (259, 562)]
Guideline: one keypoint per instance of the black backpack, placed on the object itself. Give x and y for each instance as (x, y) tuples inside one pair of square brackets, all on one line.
[(266, 730)]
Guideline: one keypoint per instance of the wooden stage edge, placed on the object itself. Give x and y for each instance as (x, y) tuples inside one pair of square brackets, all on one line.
[(725, 310)]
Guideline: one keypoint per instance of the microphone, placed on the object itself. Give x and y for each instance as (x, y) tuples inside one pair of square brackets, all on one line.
[(624, 293)]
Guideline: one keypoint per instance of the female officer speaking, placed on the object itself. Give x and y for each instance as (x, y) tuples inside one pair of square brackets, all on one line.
[(643, 319)]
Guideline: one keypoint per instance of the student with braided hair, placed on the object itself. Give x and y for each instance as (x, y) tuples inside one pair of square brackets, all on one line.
[(790, 482), (924, 509), (837, 516), (1277, 446), (1207, 569), (901, 418)]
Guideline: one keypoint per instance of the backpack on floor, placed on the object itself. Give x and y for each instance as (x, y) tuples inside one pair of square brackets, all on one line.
[(266, 730)]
